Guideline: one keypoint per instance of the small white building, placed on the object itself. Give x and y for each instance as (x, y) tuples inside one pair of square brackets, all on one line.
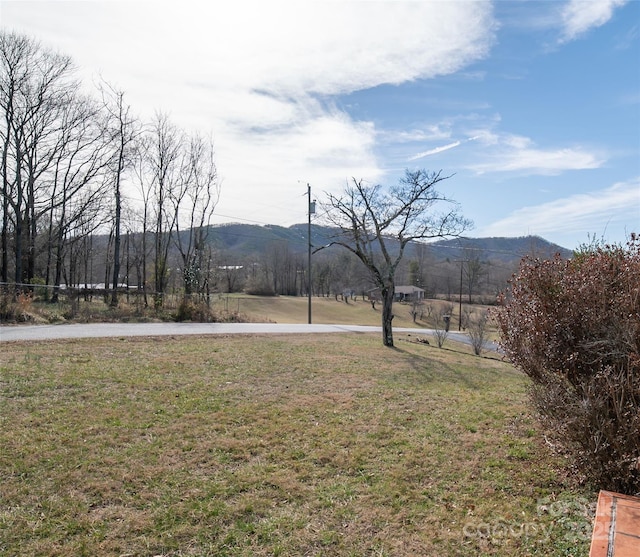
[(402, 294), (409, 294)]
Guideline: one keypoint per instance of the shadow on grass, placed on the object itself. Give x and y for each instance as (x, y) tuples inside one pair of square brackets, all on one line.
[(429, 370)]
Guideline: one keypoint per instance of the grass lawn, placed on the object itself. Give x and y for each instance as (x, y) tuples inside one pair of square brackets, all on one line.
[(294, 309), (275, 445), (274, 309)]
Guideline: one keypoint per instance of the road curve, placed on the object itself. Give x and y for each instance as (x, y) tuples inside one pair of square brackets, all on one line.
[(96, 330)]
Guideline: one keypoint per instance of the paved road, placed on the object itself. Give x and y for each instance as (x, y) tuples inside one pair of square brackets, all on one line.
[(93, 330)]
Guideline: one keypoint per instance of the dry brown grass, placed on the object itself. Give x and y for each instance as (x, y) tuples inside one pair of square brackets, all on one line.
[(294, 309), (274, 445), (223, 307)]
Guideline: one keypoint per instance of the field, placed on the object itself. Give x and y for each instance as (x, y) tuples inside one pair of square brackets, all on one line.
[(274, 309), (294, 309), (276, 445)]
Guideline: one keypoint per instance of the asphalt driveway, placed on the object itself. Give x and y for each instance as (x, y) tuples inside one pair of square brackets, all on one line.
[(95, 330)]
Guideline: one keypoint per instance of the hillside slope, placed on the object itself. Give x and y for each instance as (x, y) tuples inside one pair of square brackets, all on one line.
[(246, 239)]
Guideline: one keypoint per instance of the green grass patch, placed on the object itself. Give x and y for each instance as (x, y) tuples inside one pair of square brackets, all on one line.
[(275, 445)]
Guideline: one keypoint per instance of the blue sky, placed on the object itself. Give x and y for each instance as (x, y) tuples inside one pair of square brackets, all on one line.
[(532, 107)]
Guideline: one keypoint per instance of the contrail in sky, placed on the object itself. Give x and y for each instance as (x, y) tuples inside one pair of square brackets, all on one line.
[(440, 149)]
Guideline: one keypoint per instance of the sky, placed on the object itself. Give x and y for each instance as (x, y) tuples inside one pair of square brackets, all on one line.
[(531, 107)]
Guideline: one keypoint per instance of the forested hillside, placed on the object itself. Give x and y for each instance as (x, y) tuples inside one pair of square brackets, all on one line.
[(274, 260), (246, 239)]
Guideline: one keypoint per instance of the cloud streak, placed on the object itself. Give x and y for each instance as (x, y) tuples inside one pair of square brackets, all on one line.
[(514, 153), (574, 213), (435, 151)]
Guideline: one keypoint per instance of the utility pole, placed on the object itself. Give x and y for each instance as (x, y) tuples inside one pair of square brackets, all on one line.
[(460, 298), (312, 210), (462, 262)]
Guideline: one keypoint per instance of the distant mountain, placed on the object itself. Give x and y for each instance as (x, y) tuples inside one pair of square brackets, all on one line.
[(241, 240), (249, 239), (501, 249)]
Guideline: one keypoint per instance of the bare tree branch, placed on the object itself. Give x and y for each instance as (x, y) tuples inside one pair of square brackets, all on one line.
[(377, 224)]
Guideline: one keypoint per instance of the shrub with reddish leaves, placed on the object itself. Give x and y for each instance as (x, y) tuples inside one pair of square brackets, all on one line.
[(573, 326)]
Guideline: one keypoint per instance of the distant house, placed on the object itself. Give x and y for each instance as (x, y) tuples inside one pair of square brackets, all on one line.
[(409, 294), (402, 294)]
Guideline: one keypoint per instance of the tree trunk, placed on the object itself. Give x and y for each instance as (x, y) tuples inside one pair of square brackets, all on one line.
[(107, 268), (32, 232), (116, 245), (58, 269), (86, 254), (118, 208), (4, 247), (144, 259), (387, 315), (4, 273)]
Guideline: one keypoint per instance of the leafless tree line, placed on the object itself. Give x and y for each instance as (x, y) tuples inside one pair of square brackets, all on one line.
[(75, 164), (91, 194)]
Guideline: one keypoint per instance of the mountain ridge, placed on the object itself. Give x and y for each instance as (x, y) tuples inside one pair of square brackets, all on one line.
[(240, 240)]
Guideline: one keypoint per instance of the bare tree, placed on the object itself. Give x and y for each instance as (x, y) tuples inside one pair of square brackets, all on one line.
[(194, 203), (441, 325), (123, 129), (418, 268), (229, 274), (77, 191), (35, 87), (377, 224), (144, 185), (478, 331), (164, 162), (281, 266), (15, 73), (321, 275), (417, 308), (473, 272)]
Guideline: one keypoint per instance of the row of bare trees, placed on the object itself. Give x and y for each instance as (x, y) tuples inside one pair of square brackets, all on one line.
[(280, 269), (75, 164)]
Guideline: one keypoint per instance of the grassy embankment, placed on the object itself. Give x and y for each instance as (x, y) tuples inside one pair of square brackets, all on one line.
[(275, 445), (275, 309)]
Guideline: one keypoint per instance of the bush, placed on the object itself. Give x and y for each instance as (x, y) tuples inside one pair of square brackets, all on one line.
[(16, 308), (573, 326), (441, 324), (478, 331), (257, 286), (194, 310)]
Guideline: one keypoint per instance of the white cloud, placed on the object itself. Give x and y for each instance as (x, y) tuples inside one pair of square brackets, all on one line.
[(261, 75), (515, 153), (576, 213), (579, 16)]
